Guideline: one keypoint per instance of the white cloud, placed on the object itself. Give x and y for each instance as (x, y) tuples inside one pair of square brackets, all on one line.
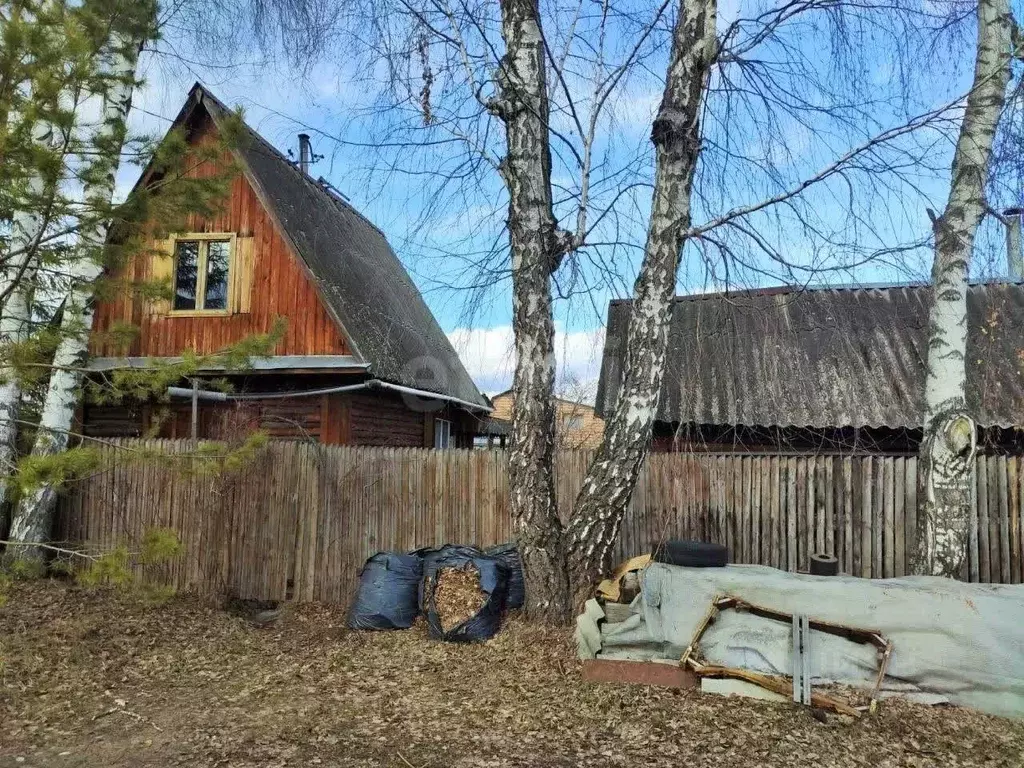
[(489, 356)]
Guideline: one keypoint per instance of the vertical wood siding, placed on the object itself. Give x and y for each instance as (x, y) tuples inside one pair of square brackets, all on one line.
[(299, 520), (278, 286)]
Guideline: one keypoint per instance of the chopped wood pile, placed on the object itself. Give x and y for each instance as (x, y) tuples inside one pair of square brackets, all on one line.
[(457, 595)]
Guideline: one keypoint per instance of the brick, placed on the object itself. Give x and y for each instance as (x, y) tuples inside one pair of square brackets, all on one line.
[(638, 673)]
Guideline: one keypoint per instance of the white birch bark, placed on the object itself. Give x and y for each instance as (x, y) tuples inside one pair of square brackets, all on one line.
[(15, 319), (948, 448), (33, 518), (609, 483), (536, 246)]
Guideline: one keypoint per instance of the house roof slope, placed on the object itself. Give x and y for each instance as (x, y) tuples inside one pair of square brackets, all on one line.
[(829, 357), (358, 275)]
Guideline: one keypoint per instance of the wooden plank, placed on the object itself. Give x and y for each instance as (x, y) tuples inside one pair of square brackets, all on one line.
[(995, 553), (821, 493), (800, 539), (1004, 520), (912, 483), (791, 514), (830, 505), (847, 562), (866, 521), (973, 528), (900, 517), (877, 520), (984, 553), (745, 533), (1013, 500), (888, 513), (776, 548), (760, 512), (809, 512)]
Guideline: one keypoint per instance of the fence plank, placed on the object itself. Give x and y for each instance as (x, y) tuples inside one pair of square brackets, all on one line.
[(889, 512), (1004, 520), (867, 494), (1013, 501), (984, 552), (791, 513), (300, 519), (877, 519), (847, 565), (899, 517), (912, 521)]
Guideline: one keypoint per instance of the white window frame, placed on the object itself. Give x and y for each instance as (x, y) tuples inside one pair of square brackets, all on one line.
[(443, 433), (204, 239)]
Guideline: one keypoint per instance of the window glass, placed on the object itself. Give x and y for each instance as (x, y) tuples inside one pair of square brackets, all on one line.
[(186, 271), (574, 423), (442, 433), (217, 262)]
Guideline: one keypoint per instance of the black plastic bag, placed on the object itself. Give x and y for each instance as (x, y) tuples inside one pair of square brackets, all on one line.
[(388, 590), (486, 622), (509, 555), (431, 555)]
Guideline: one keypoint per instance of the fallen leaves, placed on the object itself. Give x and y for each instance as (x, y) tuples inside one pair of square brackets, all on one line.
[(457, 595), (223, 692)]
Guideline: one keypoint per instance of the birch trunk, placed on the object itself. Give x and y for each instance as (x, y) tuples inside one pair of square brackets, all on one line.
[(33, 518), (609, 483), (948, 449), (535, 246), (15, 319)]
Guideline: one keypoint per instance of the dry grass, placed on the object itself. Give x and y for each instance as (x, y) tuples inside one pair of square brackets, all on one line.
[(93, 679), (457, 595)]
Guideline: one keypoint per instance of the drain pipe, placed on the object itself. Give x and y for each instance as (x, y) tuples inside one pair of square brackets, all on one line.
[(213, 395), (222, 397)]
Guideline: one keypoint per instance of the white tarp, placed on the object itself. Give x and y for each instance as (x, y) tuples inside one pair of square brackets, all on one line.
[(951, 641)]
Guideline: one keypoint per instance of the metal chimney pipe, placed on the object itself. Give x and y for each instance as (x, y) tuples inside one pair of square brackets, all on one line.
[(1014, 254), (305, 153)]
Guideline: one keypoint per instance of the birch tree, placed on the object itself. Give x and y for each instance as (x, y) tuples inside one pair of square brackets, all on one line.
[(42, 66), (676, 135), (950, 432), (33, 518), (537, 246), (720, 176), (65, 238)]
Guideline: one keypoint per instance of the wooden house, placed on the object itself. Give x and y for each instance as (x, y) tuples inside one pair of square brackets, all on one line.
[(576, 424), (828, 370), (362, 362)]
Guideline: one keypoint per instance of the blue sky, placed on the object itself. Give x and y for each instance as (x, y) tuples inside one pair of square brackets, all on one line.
[(440, 234)]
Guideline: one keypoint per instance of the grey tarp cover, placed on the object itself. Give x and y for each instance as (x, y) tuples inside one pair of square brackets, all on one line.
[(952, 641)]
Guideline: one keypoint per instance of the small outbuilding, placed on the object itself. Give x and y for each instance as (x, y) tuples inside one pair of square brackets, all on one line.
[(821, 369)]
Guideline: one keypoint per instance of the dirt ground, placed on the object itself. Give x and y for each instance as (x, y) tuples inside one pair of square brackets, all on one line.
[(100, 679)]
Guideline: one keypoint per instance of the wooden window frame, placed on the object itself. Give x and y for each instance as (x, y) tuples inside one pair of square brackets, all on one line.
[(203, 237), (574, 423)]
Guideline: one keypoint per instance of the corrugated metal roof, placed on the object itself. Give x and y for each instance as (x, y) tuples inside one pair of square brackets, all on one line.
[(358, 275), (824, 357)]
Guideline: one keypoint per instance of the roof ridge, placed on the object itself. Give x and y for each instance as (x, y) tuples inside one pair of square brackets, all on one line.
[(783, 290)]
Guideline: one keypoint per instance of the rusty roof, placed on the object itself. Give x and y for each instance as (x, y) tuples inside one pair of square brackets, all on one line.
[(828, 357)]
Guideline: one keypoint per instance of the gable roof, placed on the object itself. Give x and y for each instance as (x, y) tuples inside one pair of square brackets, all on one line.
[(359, 278), (823, 357)]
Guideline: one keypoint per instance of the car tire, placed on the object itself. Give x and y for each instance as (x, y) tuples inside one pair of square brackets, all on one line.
[(824, 565), (692, 554)]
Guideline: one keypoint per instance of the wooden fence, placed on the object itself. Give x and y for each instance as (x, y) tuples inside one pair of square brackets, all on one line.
[(299, 520)]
